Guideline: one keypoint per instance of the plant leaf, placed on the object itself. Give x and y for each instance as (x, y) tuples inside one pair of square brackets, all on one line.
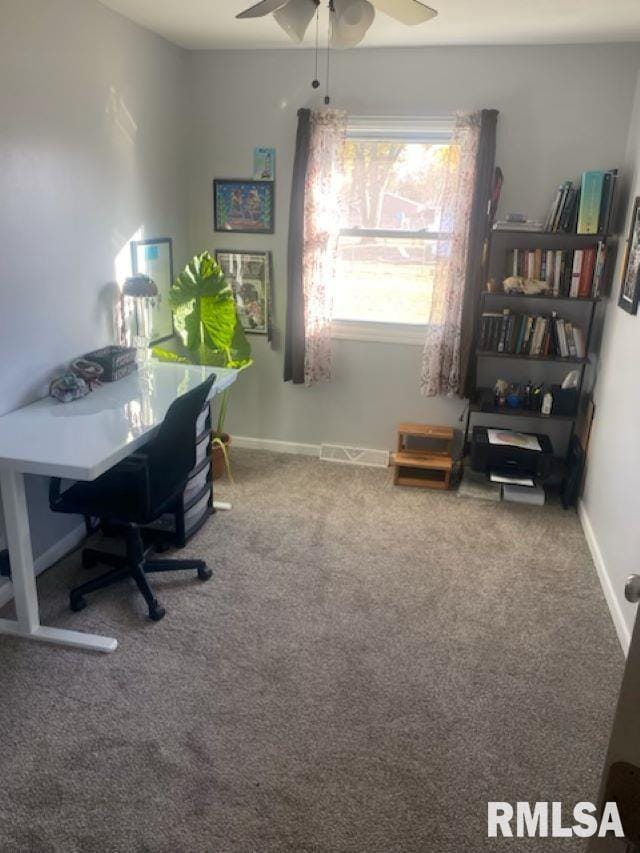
[(240, 348), (205, 315), (168, 355), (192, 327), (202, 276), (218, 316)]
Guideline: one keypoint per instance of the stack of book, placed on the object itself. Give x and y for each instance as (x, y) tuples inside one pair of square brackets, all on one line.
[(575, 273), (536, 335), (585, 209), (518, 225)]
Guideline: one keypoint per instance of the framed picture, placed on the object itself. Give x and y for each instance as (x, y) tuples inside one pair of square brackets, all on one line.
[(155, 259), (249, 274), (631, 268), (244, 206), (264, 164)]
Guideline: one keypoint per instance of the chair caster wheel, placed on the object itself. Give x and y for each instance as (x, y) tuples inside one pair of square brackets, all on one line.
[(204, 573), (88, 560), (156, 613), (77, 602)]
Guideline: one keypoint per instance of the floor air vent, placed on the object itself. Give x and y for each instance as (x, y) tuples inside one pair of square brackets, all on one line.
[(354, 455)]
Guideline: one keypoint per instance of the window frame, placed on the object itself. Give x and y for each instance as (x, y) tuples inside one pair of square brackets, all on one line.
[(366, 128)]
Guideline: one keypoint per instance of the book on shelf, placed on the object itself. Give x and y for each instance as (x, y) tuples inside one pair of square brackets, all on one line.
[(598, 272), (583, 209), (538, 335), (562, 215), (590, 202), (569, 273), (525, 225)]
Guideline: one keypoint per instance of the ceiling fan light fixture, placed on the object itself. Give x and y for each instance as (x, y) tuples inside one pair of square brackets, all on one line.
[(351, 22), (295, 17)]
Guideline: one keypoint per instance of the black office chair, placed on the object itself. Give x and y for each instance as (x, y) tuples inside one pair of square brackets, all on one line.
[(136, 492)]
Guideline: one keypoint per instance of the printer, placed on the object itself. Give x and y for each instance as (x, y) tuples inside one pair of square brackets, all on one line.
[(511, 453)]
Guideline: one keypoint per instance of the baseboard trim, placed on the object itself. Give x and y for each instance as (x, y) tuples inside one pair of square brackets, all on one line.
[(276, 446), (56, 552), (617, 616)]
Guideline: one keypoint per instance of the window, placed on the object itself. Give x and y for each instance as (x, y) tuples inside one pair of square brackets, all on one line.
[(391, 225)]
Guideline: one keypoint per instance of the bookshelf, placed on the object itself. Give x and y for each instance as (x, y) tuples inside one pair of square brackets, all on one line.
[(512, 366)]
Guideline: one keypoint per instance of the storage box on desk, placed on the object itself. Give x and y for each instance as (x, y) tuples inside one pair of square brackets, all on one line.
[(117, 362)]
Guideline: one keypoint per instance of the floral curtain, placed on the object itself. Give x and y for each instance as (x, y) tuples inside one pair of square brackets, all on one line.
[(441, 355), (321, 230)]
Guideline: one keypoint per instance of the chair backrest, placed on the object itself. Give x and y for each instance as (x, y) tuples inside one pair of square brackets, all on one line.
[(172, 454)]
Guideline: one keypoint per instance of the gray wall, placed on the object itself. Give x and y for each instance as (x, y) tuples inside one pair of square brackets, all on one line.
[(91, 150), (610, 501), (563, 109)]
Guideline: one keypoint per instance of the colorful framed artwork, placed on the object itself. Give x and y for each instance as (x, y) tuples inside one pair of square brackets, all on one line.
[(243, 206), (155, 259), (264, 164), (249, 274), (629, 289)]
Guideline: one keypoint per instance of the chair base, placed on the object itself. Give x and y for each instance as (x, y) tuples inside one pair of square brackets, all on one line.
[(134, 565)]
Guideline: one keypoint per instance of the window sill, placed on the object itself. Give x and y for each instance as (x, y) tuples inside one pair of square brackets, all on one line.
[(413, 334)]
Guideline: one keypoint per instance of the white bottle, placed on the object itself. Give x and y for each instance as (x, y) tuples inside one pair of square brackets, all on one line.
[(547, 403)]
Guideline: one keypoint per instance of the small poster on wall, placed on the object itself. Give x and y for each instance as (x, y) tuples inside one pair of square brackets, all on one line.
[(630, 287), (155, 259), (245, 206), (249, 274), (264, 164)]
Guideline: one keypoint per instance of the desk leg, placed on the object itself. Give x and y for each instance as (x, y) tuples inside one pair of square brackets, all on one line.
[(23, 576)]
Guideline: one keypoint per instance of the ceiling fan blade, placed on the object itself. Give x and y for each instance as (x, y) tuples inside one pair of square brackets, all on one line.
[(406, 11), (295, 17), (265, 7)]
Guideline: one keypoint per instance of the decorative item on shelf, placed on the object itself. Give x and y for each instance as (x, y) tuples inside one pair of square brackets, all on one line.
[(527, 286), (571, 380), (88, 370), (500, 390), (630, 285), (536, 397), (243, 206), (513, 399), (494, 287), (68, 387), (143, 292), (206, 321)]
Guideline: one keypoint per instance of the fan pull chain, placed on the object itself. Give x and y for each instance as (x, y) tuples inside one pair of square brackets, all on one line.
[(332, 10), (315, 82)]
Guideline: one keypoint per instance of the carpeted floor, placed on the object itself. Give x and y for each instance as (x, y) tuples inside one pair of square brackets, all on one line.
[(368, 666)]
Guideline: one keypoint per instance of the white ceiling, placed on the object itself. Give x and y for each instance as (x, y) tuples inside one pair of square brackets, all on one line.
[(203, 24)]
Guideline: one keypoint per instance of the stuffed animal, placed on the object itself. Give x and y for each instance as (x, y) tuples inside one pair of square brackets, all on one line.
[(527, 286)]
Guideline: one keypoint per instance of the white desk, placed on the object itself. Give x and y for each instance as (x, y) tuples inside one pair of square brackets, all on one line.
[(79, 441)]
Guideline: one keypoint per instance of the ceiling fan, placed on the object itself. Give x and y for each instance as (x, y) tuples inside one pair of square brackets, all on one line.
[(350, 19)]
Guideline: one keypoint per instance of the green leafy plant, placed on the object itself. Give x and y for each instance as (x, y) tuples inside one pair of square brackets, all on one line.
[(206, 321)]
